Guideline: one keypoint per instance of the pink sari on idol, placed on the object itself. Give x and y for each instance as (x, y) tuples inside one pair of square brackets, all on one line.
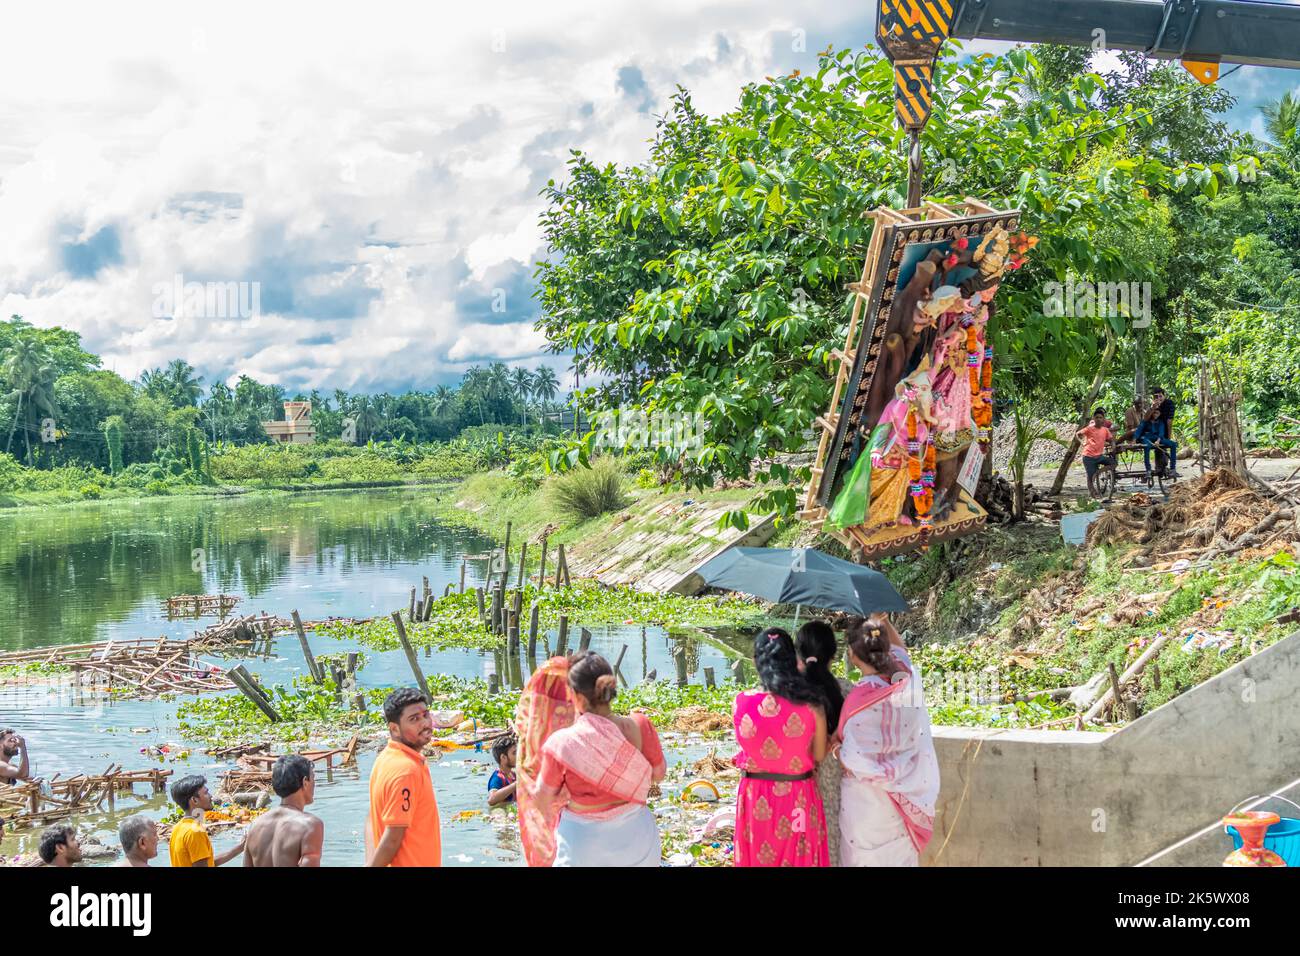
[(779, 816), (891, 774)]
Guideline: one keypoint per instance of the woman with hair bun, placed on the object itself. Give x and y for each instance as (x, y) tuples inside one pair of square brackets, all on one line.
[(587, 804), (891, 773), (781, 730), (816, 648)]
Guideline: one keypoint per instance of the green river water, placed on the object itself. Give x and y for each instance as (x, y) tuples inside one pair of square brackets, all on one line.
[(102, 571)]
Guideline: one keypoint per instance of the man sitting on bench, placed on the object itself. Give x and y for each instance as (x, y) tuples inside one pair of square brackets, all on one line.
[(1156, 432)]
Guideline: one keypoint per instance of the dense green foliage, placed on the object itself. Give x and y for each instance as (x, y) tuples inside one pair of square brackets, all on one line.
[(59, 409), (710, 279)]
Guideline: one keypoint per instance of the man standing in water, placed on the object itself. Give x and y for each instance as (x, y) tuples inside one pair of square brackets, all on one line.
[(288, 835), (11, 745), (190, 844), (59, 846), (403, 828), (139, 836)]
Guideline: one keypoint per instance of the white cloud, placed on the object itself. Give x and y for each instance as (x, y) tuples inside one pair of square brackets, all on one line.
[(374, 168)]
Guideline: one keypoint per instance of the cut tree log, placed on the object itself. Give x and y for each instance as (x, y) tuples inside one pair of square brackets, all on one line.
[(1132, 672)]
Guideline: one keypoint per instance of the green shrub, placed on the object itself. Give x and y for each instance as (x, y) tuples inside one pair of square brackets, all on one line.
[(588, 492), (646, 478), (91, 491), (156, 488)]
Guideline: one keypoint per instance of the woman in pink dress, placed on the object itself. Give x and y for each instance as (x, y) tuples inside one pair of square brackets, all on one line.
[(781, 729)]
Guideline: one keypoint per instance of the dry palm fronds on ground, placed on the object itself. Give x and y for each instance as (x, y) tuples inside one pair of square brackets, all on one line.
[(1203, 518)]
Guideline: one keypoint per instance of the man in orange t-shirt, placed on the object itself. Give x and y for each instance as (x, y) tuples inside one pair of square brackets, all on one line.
[(1096, 436), (403, 827)]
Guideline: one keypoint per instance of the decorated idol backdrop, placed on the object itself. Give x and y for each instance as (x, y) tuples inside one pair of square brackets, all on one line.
[(915, 423)]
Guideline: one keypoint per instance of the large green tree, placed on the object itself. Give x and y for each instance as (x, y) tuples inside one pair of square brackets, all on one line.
[(711, 279)]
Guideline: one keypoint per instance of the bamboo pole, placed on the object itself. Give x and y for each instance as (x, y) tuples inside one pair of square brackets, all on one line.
[(421, 684), (244, 682), (317, 674), (533, 619), (563, 640), (541, 574), (585, 640)]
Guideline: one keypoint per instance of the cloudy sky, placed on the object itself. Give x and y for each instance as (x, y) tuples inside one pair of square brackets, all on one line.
[(372, 167)]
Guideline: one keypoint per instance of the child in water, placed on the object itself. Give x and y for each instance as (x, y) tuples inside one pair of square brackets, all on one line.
[(501, 785)]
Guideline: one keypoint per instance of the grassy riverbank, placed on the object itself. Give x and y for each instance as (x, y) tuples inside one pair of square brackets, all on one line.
[(233, 470)]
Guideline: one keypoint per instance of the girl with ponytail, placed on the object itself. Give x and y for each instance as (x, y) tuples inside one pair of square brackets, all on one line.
[(598, 770), (782, 732), (891, 773), (815, 646)]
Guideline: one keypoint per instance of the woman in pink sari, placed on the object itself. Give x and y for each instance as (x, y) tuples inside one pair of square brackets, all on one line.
[(891, 774), (584, 772), (781, 729)]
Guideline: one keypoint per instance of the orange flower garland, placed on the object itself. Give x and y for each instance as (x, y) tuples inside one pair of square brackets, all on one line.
[(920, 471)]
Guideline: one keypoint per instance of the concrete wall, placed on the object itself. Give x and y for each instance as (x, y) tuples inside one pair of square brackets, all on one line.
[(1079, 798)]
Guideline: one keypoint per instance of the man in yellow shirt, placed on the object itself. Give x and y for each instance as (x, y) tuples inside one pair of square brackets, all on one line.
[(190, 844), (403, 827)]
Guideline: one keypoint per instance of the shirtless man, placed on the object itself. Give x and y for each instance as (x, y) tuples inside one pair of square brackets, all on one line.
[(139, 836), (11, 745), (288, 835)]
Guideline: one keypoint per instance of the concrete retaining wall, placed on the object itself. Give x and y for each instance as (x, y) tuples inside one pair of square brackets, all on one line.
[(1079, 798)]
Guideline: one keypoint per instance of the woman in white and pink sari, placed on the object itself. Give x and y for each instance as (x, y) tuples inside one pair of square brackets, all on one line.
[(586, 772), (891, 774)]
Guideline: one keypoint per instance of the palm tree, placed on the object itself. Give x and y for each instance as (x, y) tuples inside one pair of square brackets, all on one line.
[(545, 385), (30, 371), (182, 387), (498, 383), (365, 415), (474, 383), (217, 409), (440, 401), (152, 380), (521, 381), (1281, 118)]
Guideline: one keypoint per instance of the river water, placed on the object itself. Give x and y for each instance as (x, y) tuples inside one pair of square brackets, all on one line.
[(102, 571)]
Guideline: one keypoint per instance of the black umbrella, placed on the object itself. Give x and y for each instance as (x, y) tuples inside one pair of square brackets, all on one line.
[(803, 576)]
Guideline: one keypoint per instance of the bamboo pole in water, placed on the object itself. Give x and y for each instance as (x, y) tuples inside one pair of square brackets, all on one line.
[(505, 552), (317, 674), (244, 681), (420, 683), (533, 619), (563, 640), (462, 575), (708, 677), (585, 640), (523, 565), (541, 574)]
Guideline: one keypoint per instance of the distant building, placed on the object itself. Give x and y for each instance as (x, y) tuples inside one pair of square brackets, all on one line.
[(296, 429)]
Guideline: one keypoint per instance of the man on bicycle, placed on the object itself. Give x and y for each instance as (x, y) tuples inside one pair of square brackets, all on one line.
[(1095, 437)]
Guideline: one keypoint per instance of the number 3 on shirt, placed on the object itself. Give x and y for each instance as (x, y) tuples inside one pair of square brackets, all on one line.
[(406, 799)]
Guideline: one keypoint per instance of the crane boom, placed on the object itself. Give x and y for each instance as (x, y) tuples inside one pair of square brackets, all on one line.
[(1201, 34), (1202, 31)]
